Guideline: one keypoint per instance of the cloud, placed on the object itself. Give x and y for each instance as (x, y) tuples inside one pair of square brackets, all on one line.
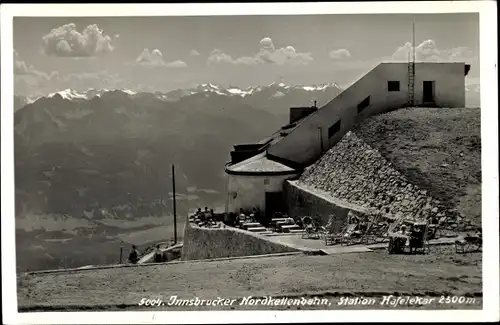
[(22, 69), (194, 53), (97, 80), (427, 51), (339, 54), (218, 56), (268, 53), (66, 41), (29, 80), (154, 58)]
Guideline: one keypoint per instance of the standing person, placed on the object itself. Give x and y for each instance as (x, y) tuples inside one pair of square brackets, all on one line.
[(133, 257), (158, 254)]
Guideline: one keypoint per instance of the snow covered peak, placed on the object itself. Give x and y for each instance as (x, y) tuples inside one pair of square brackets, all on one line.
[(322, 87), (129, 92), (278, 90), (69, 94)]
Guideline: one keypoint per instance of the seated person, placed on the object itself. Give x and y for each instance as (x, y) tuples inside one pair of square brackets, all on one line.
[(352, 217), (242, 216), (212, 213), (362, 227), (133, 257), (299, 222), (351, 229), (202, 217), (256, 213), (209, 215), (158, 254), (416, 237), (288, 220)]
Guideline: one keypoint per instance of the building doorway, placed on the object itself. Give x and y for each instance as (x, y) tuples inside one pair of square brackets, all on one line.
[(274, 203), (428, 92)]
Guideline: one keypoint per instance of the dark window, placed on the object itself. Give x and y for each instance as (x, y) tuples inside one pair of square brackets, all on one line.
[(333, 129), (393, 85), (364, 104)]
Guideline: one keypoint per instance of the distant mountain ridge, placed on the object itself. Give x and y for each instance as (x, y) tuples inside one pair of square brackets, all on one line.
[(274, 90), (320, 92), (128, 133)]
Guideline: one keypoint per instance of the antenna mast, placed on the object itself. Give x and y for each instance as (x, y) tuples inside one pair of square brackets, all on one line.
[(411, 71)]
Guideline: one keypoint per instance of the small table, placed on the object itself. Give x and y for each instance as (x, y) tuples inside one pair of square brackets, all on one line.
[(397, 242)]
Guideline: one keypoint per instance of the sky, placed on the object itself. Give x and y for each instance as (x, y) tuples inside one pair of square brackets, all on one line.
[(165, 53)]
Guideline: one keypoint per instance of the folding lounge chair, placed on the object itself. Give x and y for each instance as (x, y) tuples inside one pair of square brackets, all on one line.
[(311, 230), (350, 236), (383, 234), (336, 237), (367, 234)]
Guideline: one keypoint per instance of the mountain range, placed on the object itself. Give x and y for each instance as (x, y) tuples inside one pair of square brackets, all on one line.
[(90, 164), (251, 94)]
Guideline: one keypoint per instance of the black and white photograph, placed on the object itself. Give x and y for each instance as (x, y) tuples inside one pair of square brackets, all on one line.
[(261, 162)]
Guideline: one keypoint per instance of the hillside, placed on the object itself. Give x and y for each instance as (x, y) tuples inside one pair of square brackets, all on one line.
[(417, 163), (437, 148)]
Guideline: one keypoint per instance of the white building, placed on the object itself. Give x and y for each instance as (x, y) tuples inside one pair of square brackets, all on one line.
[(257, 171)]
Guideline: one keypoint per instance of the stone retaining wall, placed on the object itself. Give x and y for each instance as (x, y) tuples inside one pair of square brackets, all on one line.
[(207, 243), (303, 200), (354, 172)]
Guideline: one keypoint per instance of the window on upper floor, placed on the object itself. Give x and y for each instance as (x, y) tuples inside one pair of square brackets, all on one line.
[(364, 104), (333, 129), (393, 85)]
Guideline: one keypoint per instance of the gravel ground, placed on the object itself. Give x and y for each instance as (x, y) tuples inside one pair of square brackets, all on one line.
[(373, 274)]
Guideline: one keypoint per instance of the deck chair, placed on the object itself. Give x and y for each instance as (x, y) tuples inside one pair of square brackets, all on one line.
[(382, 234), (311, 229), (332, 230), (332, 236), (371, 229), (341, 236), (469, 244), (351, 236)]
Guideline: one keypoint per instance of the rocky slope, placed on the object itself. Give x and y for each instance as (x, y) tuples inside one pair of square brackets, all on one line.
[(376, 166)]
